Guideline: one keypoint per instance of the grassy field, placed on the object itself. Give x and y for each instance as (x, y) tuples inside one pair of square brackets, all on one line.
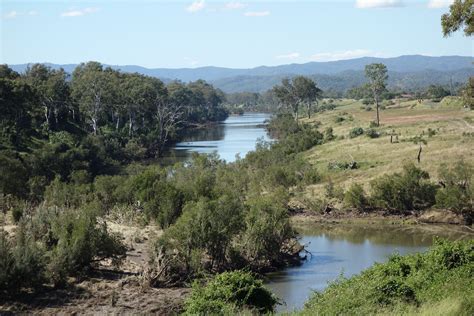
[(453, 139)]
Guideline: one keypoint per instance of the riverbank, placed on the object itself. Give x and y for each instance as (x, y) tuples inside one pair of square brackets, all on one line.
[(435, 217), (106, 289), (436, 282)]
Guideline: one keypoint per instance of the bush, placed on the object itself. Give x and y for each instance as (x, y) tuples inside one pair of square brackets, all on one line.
[(355, 197), (409, 190), (372, 133), (404, 285), (356, 131), (456, 192), (51, 245), (267, 230), (229, 292), (329, 134)]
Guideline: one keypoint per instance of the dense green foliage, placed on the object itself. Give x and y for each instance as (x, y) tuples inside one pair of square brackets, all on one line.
[(236, 215), (457, 190), (297, 92), (228, 293), (53, 125), (405, 284), (355, 197), (409, 190), (412, 190)]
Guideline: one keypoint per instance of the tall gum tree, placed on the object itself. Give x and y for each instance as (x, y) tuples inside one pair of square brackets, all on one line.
[(297, 92), (92, 89), (377, 75)]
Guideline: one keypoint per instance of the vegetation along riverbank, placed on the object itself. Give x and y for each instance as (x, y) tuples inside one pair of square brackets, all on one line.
[(80, 222)]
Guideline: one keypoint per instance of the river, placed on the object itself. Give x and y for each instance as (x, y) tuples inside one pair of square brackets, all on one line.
[(339, 249), (236, 135), (336, 249)]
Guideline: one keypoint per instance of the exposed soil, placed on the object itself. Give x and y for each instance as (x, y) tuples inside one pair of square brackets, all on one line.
[(427, 217), (107, 289), (123, 290)]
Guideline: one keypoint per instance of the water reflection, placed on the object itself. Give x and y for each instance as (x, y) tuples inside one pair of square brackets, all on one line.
[(236, 135), (348, 249)]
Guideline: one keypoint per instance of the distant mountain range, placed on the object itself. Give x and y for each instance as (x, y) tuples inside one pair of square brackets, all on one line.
[(405, 72)]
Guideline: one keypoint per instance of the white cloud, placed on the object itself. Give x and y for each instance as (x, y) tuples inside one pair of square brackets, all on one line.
[(349, 54), (439, 4), (11, 15), (15, 14), (371, 4), (74, 13), (257, 13), (196, 6), (235, 5), (288, 56)]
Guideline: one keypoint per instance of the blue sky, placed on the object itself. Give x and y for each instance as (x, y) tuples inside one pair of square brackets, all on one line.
[(237, 34)]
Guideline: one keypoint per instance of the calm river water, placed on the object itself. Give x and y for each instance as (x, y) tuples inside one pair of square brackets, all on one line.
[(236, 135), (336, 249), (348, 249)]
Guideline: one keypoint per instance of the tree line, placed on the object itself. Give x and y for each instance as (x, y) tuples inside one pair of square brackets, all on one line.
[(102, 101)]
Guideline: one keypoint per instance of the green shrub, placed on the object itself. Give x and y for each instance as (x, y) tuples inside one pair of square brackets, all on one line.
[(329, 134), (372, 133), (267, 229), (13, 175), (51, 245), (355, 197), (409, 190), (456, 192), (229, 292), (81, 239), (356, 131), (404, 284)]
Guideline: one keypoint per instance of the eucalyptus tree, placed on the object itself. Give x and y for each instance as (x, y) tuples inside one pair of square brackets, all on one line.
[(461, 15), (205, 101), (92, 89), (377, 75), (51, 90), (15, 108), (286, 96), (139, 93), (296, 92), (168, 117), (307, 92)]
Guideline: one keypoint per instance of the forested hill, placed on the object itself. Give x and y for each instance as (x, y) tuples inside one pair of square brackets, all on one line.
[(406, 72)]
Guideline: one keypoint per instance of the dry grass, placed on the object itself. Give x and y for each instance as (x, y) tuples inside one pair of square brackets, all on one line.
[(378, 156)]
